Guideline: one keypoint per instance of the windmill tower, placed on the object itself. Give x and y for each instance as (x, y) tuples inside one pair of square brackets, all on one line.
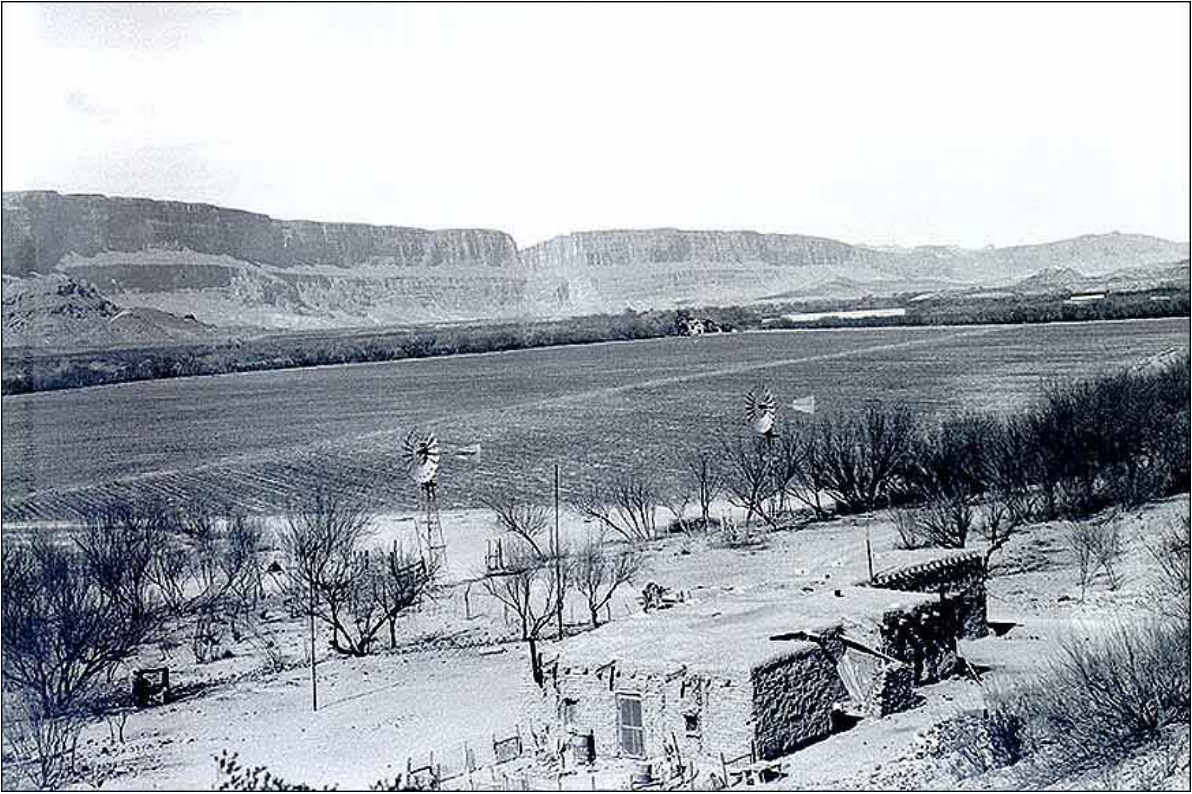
[(421, 453)]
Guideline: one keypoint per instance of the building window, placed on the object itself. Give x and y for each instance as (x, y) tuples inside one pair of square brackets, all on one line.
[(629, 719), (567, 711), (691, 724)]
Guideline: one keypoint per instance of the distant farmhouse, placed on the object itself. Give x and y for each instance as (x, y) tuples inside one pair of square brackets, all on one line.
[(687, 324), (757, 675)]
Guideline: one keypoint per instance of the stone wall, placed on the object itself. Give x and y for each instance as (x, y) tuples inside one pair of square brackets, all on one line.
[(793, 697), (923, 638), (721, 706), (893, 690), (959, 579)]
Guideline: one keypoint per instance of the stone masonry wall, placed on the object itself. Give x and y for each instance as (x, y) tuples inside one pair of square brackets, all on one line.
[(721, 704), (923, 638), (961, 581), (793, 698)]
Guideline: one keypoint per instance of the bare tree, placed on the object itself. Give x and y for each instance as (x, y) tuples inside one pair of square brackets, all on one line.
[(811, 481), (598, 570), (677, 498), (64, 634), (624, 501), (117, 542), (748, 476), (996, 522), (946, 470), (788, 451), (861, 456), (703, 479), (520, 518), (529, 587), (206, 568), (240, 562), (396, 580), (322, 540)]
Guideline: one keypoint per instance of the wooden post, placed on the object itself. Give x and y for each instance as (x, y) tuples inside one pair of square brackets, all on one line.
[(314, 678), (869, 553), (558, 554)]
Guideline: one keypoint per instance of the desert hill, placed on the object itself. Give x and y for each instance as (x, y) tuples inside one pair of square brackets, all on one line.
[(63, 312)]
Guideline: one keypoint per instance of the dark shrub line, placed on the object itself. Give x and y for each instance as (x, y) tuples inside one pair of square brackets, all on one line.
[(1084, 446)]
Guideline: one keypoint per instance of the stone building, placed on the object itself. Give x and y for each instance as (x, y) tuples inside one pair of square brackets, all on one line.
[(758, 675)]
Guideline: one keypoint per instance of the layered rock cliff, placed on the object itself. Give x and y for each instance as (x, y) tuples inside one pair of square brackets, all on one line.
[(233, 268)]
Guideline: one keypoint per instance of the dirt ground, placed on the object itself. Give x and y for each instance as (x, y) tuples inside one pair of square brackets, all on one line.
[(459, 675)]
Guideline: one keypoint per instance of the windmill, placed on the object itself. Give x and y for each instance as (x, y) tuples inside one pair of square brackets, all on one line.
[(421, 454), (760, 408)]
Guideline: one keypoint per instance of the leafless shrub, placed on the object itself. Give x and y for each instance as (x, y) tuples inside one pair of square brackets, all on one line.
[(42, 744), (749, 482), (1099, 698), (64, 634), (994, 739), (703, 479), (732, 535), (520, 518), (1095, 702), (861, 455), (599, 569), (323, 542), (625, 501), (235, 776), (531, 586), (1095, 545), (1172, 553)]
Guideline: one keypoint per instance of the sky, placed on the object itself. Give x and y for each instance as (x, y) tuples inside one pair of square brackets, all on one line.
[(883, 124)]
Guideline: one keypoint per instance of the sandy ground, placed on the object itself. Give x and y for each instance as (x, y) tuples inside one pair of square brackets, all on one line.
[(460, 676)]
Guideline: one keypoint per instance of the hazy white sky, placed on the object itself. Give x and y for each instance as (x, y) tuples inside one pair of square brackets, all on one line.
[(873, 123)]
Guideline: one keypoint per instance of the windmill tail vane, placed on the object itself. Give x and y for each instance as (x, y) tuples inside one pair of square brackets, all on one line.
[(804, 405)]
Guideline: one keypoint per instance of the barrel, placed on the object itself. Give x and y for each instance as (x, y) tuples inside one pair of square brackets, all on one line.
[(583, 746), (643, 773)]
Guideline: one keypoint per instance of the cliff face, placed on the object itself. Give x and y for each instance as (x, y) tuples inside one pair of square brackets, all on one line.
[(609, 270), (233, 268), (47, 226)]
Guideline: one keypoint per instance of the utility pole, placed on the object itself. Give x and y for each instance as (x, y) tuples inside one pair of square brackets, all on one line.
[(314, 680), (558, 554)]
